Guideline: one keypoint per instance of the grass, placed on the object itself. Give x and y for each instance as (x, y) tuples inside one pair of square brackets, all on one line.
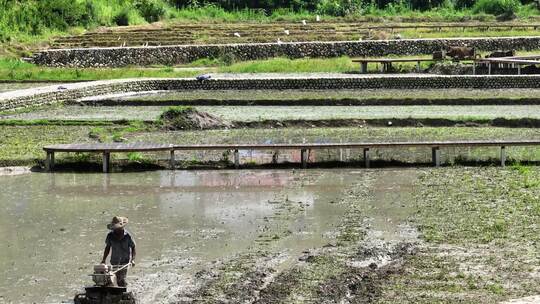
[(480, 208), (341, 64), (28, 24), (12, 69), (479, 226), (17, 70)]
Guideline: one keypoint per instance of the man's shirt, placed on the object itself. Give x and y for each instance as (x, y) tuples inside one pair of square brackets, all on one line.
[(121, 248)]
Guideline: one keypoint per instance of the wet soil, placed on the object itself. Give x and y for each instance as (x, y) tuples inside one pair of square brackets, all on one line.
[(319, 97), (226, 117), (479, 232), (203, 237), (350, 268), (208, 237)]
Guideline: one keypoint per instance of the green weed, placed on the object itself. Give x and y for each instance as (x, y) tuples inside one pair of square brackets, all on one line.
[(135, 157)]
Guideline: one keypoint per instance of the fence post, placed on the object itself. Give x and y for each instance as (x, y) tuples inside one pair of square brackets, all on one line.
[(503, 156), (366, 157), (303, 157), (436, 156), (106, 162), (363, 67), (236, 159), (172, 161), (341, 151), (49, 162)]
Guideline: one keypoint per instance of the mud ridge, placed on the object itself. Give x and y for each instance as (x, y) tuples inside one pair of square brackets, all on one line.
[(311, 102), (393, 122)]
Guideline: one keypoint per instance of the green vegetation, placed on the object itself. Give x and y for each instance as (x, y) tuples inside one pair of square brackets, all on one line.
[(13, 69), (33, 17), (480, 229), (17, 70), (497, 7), (342, 64), (32, 21), (480, 208)]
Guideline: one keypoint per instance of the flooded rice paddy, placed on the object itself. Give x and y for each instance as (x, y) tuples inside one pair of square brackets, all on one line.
[(53, 225), (327, 94), (263, 113)]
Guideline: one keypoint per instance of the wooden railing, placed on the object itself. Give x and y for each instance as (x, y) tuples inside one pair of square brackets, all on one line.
[(106, 149)]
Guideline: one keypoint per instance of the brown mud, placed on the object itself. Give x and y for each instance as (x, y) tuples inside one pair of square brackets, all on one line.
[(187, 118), (393, 122)]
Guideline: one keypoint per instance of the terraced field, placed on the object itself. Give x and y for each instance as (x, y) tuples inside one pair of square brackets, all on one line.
[(410, 233), (284, 113), (325, 97), (182, 33)]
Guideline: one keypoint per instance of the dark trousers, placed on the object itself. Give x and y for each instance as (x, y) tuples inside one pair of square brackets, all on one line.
[(121, 277)]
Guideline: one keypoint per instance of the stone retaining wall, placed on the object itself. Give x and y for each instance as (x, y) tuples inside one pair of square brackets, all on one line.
[(26, 98), (171, 55)]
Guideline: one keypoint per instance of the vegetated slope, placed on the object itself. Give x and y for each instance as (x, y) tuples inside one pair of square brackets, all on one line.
[(250, 32)]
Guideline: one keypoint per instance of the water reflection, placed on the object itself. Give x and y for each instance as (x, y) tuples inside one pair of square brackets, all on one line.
[(52, 226)]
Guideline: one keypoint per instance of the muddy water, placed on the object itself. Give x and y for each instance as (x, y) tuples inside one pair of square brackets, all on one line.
[(392, 194), (52, 226)]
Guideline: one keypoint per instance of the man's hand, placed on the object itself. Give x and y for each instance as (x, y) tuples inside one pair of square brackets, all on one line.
[(132, 263)]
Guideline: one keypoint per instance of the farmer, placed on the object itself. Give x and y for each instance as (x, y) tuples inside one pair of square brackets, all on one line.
[(123, 248)]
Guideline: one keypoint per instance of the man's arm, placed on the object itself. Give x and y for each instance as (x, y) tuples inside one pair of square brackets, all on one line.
[(133, 254), (106, 253)]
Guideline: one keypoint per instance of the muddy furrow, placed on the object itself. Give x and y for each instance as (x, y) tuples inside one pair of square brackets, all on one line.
[(350, 269)]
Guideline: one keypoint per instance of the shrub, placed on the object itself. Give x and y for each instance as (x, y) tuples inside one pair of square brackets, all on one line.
[(464, 3), (339, 7), (61, 14), (122, 18), (497, 7), (151, 10)]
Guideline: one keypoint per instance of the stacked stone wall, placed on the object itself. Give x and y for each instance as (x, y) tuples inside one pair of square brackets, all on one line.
[(9, 101), (171, 55)]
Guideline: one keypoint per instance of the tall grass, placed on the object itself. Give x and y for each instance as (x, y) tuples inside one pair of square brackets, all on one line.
[(36, 17), (33, 21)]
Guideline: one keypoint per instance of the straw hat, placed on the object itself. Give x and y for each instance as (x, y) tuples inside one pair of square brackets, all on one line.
[(117, 222)]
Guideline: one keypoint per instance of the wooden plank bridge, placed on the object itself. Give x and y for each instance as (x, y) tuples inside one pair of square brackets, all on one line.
[(107, 148)]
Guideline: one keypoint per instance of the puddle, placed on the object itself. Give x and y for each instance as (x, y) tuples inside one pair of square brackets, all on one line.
[(53, 225), (391, 206)]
